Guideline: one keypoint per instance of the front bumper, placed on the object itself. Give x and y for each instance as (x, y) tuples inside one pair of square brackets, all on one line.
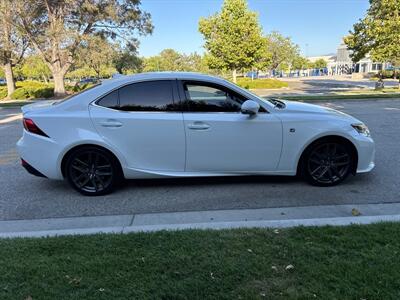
[(366, 154)]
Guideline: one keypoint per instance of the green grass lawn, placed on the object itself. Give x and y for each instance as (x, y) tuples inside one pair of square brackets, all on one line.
[(261, 83), (356, 262)]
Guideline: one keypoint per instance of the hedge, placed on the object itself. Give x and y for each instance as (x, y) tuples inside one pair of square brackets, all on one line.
[(28, 90), (268, 83)]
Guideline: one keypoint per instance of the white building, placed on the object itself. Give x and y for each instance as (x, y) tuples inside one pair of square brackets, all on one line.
[(344, 65)]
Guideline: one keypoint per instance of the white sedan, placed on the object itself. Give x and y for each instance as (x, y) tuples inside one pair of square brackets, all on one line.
[(187, 125)]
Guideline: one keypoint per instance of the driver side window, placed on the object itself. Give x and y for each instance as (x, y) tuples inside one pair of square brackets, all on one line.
[(204, 97)]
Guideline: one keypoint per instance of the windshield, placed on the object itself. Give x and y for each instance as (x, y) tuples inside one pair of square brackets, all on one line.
[(275, 102)]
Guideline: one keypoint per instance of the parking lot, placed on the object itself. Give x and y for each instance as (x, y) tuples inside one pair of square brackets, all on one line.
[(24, 196)]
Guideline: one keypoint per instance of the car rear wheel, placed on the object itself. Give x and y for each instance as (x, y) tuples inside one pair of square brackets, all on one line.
[(92, 171), (328, 163)]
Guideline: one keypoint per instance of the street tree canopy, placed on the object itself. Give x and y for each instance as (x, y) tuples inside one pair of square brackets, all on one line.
[(233, 37), (96, 53), (171, 60), (319, 64), (33, 67), (126, 61), (281, 51), (12, 44), (167, 60), (56, 29), (378, 33)]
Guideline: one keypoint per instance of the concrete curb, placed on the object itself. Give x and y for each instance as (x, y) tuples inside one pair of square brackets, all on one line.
[(335, 215)]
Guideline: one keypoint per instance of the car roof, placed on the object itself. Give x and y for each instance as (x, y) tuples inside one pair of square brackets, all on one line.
[(108, 85), (162, 75)]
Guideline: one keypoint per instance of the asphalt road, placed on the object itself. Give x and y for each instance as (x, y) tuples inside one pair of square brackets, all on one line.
[(323, 85), (23, 196)]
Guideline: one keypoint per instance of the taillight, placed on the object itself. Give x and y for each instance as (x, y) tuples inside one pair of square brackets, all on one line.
[(30, 126)]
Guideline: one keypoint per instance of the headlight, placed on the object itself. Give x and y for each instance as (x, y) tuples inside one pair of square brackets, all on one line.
[(361, 129)]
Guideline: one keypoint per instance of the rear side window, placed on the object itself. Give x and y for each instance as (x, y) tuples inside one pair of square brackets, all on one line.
[(110, 100), (147, 96)]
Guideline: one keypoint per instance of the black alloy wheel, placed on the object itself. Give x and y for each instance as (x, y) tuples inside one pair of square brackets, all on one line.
[(92, 171), (328, 163)]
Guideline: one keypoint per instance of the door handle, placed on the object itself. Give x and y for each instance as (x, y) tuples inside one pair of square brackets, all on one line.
[(199, 126), (111, 124)]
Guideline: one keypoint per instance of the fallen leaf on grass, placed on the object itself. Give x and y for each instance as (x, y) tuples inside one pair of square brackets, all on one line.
[(74, 281), (289, 267)]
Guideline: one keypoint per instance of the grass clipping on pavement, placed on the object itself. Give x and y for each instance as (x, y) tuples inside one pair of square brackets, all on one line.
[(354, 262)]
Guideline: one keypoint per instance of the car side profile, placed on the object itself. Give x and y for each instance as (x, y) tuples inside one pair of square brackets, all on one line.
[(187, 125)]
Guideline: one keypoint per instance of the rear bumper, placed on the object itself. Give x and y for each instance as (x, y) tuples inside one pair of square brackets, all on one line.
[(41, 155), (30, 169)]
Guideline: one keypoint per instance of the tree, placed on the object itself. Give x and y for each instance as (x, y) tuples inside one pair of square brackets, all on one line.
[(167, 60), (319, 64), (126, 61), (194, 62), (57, 28), (80, 72), (34, 67), (171, 60), (301, 63), (233, 37), (12, 45), (281, 51), (96, 53), (377, 34)]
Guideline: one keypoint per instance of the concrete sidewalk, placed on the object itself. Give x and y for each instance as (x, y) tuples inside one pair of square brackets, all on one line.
[(219, 219)]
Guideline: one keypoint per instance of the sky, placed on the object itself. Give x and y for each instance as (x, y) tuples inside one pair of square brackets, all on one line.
[(317, 26)]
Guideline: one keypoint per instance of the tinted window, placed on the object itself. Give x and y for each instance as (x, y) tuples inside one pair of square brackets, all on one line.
[(110, 100), (211, 98), (147, 96)]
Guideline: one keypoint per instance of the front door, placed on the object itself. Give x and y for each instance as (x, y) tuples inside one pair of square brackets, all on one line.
[(219, 138)]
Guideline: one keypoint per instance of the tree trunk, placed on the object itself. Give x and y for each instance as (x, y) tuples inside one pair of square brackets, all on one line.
[(234, 75), (59, 88), (10, 79)]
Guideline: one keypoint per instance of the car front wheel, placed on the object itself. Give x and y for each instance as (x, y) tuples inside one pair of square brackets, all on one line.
[(92, 171), (328, 163)]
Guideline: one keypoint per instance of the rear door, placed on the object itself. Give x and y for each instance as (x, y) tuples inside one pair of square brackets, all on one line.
[(142, 122)]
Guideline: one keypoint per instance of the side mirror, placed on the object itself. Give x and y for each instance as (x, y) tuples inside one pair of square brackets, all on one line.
[(250, 107)]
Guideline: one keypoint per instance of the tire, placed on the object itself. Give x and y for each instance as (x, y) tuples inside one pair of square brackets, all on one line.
[(327, 162), (92, 171)]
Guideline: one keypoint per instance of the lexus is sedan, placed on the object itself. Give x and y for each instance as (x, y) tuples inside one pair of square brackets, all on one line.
[(187, 125)]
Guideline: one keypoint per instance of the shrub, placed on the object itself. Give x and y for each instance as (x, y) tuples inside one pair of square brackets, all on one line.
[(44, 92), (20, 94), (32, 89), (3, 92), (247, 83)]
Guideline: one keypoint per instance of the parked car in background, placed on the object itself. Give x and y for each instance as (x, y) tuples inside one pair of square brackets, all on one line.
[(88, 81), (3, 81), (186, 125)]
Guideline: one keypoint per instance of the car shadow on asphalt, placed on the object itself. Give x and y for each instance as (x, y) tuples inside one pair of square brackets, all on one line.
[(199, 181)]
